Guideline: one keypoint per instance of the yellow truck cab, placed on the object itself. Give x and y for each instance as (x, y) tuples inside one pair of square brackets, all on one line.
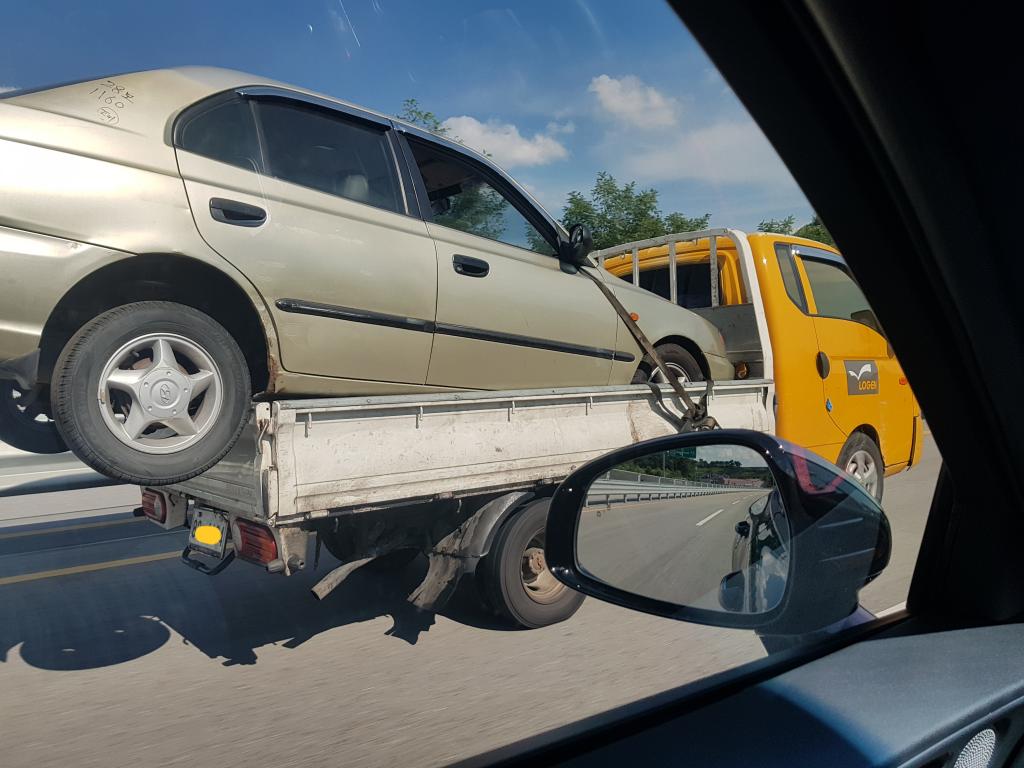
[(790, 311)]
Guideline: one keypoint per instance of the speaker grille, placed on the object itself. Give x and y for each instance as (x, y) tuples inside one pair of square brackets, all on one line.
[(977, 753)]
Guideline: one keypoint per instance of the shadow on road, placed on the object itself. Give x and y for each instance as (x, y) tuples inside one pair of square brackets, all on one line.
[(110, 617)]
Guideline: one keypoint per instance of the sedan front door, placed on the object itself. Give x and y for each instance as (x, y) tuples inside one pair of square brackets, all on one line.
[(508, 316)]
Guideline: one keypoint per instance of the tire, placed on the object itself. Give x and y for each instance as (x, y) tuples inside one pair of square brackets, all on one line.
[(861, 451), (181, 359), (505, 587), (26, 428), (676, 358)]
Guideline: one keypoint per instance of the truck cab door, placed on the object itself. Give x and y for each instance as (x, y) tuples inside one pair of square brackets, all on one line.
[(800, 414), (862, 382), (306, 201), (508, 316)]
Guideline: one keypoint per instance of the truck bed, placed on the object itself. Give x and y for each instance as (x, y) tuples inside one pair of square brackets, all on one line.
[(303, 459)]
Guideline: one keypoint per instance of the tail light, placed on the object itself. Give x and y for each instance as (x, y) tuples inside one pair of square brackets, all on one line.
[(154, 505), (254, 542)]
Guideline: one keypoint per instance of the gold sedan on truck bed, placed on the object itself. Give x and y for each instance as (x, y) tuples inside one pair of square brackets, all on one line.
[(174, 241)]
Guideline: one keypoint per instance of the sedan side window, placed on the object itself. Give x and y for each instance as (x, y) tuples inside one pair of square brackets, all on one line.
[(225, 132), (462, 198), (323, 150)]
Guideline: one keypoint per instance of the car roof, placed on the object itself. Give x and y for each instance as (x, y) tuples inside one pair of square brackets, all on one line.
[(158, 96)]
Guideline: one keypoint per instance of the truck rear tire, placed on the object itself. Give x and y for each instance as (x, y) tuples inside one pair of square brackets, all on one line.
[(515, 577), (861, 458)]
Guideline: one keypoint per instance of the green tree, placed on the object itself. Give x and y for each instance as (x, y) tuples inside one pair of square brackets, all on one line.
[(413, 113), (778, 226), (620, 213), (812, 230), (815, 230)]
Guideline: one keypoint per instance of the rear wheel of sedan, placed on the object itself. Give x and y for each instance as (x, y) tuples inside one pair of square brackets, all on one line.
[(151, 393), (679, 362), (25, 423), (515, 577)]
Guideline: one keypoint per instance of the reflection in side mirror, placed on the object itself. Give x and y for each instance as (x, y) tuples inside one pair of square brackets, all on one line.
[(668, 527), (729, 527), (731, 591)]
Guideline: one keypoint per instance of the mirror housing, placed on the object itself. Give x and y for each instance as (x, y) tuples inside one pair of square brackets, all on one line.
[(579, 245), (839, 537)]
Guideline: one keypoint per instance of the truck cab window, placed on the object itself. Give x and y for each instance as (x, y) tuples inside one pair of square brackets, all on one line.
[(462, 198), (789, 276), (836, 294)]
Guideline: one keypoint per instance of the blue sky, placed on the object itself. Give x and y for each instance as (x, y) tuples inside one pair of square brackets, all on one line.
[(555, 90)]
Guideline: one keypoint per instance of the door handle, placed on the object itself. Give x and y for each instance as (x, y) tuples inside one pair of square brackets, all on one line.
[(237, 213), (470, 267)]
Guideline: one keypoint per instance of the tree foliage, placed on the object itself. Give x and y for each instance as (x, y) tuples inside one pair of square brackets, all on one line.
[(815, 230), (812, 230), (778, 226), (413, 113), (620, 213)]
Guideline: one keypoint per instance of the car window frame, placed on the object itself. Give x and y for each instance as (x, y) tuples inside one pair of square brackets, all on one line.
[(802, 304), (826, 257), (502, 185), (253, 95), (811, 253), (208, 104)]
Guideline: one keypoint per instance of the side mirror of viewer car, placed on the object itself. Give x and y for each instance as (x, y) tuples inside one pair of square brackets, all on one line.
[(730, 528)]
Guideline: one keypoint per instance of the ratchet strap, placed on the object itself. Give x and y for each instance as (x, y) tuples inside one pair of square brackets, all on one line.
[(695, 417)]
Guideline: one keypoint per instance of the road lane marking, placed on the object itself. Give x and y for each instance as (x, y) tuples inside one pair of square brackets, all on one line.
[(102, 542), (709, 517), (737, 502), (891, 609), (66, 528), (88, 568)]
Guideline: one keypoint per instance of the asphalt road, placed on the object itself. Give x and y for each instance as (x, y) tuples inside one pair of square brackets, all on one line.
[(114, 654), (676, 550)]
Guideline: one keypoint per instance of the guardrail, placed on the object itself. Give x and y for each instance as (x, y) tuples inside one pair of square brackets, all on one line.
[(619, 487)]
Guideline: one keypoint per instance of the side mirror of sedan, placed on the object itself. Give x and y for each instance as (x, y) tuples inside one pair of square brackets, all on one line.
[(579, 245), (730, 528)]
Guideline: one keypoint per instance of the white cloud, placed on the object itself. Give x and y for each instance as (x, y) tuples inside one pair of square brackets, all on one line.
[(567, 127), (726, 152), (505, 143), (631, 101)]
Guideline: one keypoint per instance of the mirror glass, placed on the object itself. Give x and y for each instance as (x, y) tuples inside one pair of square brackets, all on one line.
[(702, 527)]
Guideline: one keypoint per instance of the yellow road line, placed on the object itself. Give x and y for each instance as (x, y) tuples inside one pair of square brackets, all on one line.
[(88, 568), (66, 528)]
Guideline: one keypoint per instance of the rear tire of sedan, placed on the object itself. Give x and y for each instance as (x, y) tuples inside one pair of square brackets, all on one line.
[(151, 393), (676, 359), (516, 581)]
